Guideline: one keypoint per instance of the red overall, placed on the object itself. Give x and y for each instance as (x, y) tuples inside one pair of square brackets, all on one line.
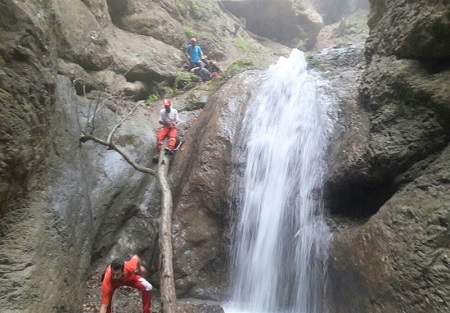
[(131, 279), (166, 131)]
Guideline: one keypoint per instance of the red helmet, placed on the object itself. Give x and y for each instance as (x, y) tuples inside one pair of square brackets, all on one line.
[(167, 102)]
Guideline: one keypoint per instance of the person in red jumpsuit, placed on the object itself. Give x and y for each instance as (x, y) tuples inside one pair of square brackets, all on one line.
[(127, 273), (168, 117)]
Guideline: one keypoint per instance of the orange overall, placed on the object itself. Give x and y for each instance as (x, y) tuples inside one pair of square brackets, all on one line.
[(166, 131), (131, 279)]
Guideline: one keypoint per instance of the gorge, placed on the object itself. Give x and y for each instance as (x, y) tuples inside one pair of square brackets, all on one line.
[(67, 209)]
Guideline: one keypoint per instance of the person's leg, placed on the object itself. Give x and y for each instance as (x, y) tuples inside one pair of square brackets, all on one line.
[(146, 288), (172, 134), (146, 301), (162, 133)]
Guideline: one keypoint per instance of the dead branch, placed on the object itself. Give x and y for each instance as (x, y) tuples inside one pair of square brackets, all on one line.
[(168, 295), (112, 146), (121, 122)]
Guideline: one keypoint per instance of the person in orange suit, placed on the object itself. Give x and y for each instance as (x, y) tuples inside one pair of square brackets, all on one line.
[(168, 117), (120, 273)]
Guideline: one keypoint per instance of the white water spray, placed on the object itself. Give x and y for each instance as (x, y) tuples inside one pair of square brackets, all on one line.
[(281, 240)]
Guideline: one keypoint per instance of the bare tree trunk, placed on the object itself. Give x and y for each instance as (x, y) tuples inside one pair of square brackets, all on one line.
[(168, 296)]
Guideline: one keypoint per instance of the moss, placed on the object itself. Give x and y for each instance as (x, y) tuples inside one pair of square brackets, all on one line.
[(237, 67), (189, 32), (246, 46), (196, 11), (167, 90), (183, 7), (153, 97), (193, 102), (184, 80)]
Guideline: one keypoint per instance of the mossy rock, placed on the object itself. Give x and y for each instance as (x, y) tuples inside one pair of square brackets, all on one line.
[(194, 102), (184, 80)]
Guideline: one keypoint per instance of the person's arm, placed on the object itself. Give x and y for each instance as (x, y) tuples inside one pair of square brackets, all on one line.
[(200, 52), (103, 307), (177, 120), (165, 123), (186, 51), (106, 293), (140, 269)]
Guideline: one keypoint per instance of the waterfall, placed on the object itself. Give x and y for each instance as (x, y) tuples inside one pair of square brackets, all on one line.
[(280, 238)]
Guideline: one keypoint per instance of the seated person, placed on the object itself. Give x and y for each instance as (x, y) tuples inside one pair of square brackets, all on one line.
[(210, 65), (202, 72)]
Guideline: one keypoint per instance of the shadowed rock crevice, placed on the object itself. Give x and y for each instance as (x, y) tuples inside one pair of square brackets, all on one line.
[(435, 65), (117, 10), (357, 200)]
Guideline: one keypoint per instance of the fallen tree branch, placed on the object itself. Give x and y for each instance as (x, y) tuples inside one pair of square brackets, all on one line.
[(168, 295), (121, 122), (112, 146)]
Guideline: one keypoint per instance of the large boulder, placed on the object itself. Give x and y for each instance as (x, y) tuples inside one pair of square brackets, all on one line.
[(408, 111), (200, 180), (294, 23), (27, 86), (150, 19), (396, 260), (334, 10), (399, 261), (410, 30)]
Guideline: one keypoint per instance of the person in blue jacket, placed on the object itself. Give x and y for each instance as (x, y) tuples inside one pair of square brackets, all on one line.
[(194, 53)]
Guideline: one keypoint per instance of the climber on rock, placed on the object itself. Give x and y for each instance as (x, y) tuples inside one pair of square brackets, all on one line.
[(120, 273), (168, 117)]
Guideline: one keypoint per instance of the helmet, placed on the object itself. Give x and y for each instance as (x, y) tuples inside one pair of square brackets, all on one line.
[(167, 102), (193, 39)]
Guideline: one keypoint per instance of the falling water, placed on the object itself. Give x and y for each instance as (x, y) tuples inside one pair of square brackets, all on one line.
[(281, 239)]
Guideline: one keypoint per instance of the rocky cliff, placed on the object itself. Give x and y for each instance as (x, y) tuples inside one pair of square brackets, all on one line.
[(390, 181), (66, 208)]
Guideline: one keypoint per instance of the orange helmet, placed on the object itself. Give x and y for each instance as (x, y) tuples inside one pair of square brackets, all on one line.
[(167, 102)]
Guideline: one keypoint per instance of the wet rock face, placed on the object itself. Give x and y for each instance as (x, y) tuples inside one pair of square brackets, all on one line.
[(410, 30), (26, 69), (396, 260), (399, 260), (201, 176)]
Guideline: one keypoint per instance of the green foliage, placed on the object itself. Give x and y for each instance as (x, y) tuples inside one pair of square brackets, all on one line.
[(245, 46), (153, 97), (189, 32), (167, 90), (185, 80), (237, 67), (193, 102), (182, 6)]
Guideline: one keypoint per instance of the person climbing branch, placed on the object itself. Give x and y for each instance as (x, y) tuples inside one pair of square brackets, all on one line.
[(168, 117), (128, 273)]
